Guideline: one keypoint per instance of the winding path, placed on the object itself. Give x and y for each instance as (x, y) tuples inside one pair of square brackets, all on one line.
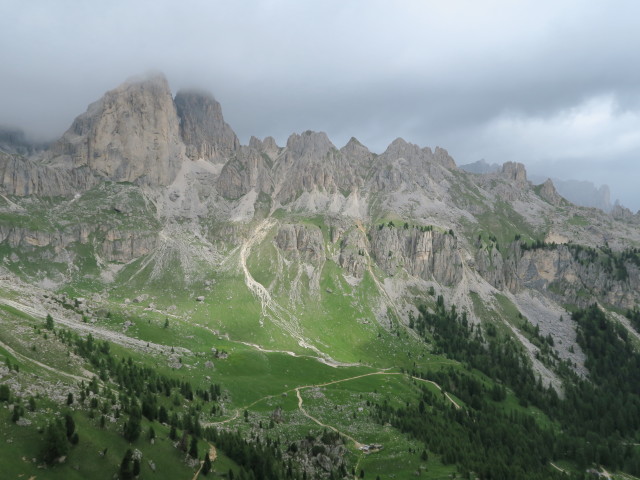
[(213, 454), (96, 331), (42, 365)]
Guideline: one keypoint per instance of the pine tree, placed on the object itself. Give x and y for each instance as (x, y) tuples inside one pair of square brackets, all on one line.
[(126, 473), (206, 466), (17, 413), (5, 393), (132, 428), (70, 425), (48, 324), (55, 442), (193, 448)]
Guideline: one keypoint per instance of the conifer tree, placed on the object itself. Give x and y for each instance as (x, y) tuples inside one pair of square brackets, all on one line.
[(126, 472), (55, 442), (206, 466), (193, 448)]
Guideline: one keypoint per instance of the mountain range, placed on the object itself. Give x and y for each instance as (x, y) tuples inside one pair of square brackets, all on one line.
[(149, 205)]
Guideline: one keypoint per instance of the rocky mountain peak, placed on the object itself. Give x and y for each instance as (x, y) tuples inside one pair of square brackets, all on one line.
[(131, 134), (481, 166), (620, 212), (442, 156), (355, 150), (514, 172), (202, 126), (401, 148), (549, 193), (267, 146), (309, 143)]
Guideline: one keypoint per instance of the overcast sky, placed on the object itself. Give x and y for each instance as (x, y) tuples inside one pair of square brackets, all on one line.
[(552, 84)]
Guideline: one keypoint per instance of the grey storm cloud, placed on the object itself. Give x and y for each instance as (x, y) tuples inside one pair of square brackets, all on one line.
[(555, 85)]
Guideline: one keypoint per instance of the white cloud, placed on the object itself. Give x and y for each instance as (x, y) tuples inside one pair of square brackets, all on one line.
[(596, 129)]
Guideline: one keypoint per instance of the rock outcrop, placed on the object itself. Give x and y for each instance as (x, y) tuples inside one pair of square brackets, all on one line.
[(132, 134), (203, 129), (514, 172), (353, 250), (110, 244), (246, 171), (570, 276), (549, 193), (302, 242), (421, 252), (23, 177), (268, 147)]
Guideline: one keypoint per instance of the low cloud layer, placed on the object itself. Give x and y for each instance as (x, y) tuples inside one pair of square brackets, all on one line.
[(555, 85)]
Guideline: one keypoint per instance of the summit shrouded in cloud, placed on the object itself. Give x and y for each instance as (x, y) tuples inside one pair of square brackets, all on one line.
[(555, 86)]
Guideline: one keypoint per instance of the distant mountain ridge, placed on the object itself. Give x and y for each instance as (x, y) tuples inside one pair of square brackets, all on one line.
[(14, 141), (580, 192)]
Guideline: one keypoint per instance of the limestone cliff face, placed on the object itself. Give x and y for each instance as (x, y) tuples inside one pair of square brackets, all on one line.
[(268, 147), (514, 172), (303, 242), (203, 129), (549, 193), (489, 262), (442, 156), (352, 253), (405, 165), (620, 212), (576, 278), (311, 162), (125, 245), (132, 134), (246, 171), (110, 244), (571, 277), (23, 177), (426, 254)]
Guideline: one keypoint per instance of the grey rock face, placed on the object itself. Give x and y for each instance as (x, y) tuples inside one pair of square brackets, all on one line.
[(549, 193), (114, 245), (514, 172), (622, 213), (405, 165), (558, 272), (311, 162), (491, 265), (203, 128), (22, 177), (580, 192), (131, 134), (246, 171), (481, 166), (303, 242), (443, 158), (268, 146), (352, 253), (426, 254)]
